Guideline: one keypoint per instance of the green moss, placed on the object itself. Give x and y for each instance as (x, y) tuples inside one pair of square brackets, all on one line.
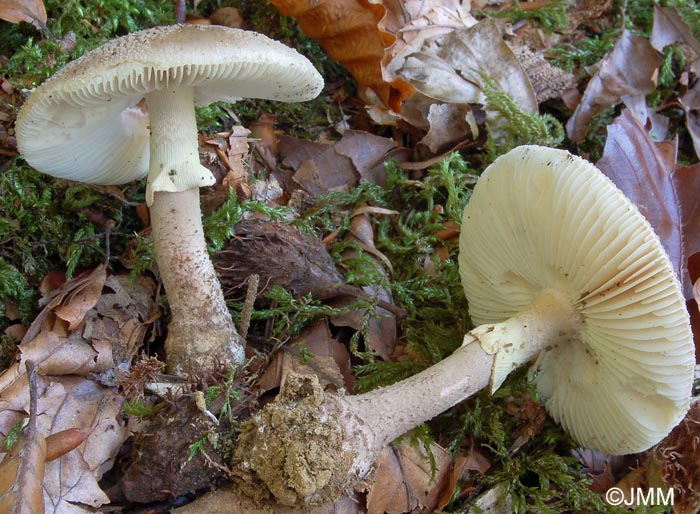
[(551, 17), (584, 52), (13, 435), (33, 58), (140, 409), (514, 127), (289, 315), (219, 225)]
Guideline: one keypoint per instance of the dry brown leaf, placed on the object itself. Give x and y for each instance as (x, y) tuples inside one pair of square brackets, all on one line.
[(405, 481), (670, 28), (628, 72), (347, 30), (55, 291), (368, 154), (74, 402), (446, 71), (694, 303), (448, 125), (666, 194), (22, 469), (475, 461), (690, 101), (320, 168), (121, 316), (447, 67), (225, 500), (80, 300), (31, 11), (313, 352), (70, 404)]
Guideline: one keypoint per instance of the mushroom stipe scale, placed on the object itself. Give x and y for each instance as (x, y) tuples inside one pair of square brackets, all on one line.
[(561, 272)]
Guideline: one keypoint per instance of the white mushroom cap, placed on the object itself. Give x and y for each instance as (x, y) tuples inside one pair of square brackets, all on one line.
[(541, 218), (83, 124)]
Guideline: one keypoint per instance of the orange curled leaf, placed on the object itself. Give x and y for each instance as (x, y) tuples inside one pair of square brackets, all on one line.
[(347, 30)]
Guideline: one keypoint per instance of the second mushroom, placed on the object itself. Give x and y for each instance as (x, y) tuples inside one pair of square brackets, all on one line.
[(85, 124), (560, 271)]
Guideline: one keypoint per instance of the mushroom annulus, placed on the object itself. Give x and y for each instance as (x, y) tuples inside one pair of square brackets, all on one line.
[(86, 124), (561, 271)]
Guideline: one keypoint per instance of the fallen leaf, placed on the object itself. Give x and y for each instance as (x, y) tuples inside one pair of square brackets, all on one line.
[(474, 461), (225, 500), (347, 30), (81, 299), (669, 28), (447, 67), (22, 469), (75, 402), (75, 409), (380, 329), (313, 352), (690, 101), (616, 81), (446, 70), (368, 154), (31, 11), (665, 194), (55, 291), (405, 481), (357, 156), (448, 126)]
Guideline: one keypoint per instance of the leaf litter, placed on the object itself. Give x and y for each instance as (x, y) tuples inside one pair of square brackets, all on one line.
[(426, 75)]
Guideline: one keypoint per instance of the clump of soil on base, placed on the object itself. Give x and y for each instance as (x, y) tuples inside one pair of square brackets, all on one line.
[(291, 451)]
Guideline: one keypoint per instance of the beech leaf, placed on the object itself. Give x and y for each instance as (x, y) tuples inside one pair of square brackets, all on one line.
[(615, 80), (405, 481), (666, 194), (670, 28), (31, 11)]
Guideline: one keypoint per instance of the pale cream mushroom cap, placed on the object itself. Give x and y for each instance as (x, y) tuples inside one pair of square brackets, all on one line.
[(541, 218), (83, 123)]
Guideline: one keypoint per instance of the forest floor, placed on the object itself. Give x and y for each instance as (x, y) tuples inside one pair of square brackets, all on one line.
[(334, 226)]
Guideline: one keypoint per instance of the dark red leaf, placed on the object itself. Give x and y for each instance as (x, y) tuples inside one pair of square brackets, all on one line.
[(666, 194)]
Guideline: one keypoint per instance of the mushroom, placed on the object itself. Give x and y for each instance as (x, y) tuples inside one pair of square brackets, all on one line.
[(86, 124), (560, 270)]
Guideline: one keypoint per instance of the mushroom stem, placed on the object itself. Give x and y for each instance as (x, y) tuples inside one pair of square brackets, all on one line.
[(372, 420), (174, 151), (487, 355), (201, 330)]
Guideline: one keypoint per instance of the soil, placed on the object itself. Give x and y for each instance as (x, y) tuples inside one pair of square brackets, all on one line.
[(160, 467), (291, 452)]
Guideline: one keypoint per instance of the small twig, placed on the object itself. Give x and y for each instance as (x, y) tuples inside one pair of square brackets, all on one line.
[(33, 396), (249, 304)]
